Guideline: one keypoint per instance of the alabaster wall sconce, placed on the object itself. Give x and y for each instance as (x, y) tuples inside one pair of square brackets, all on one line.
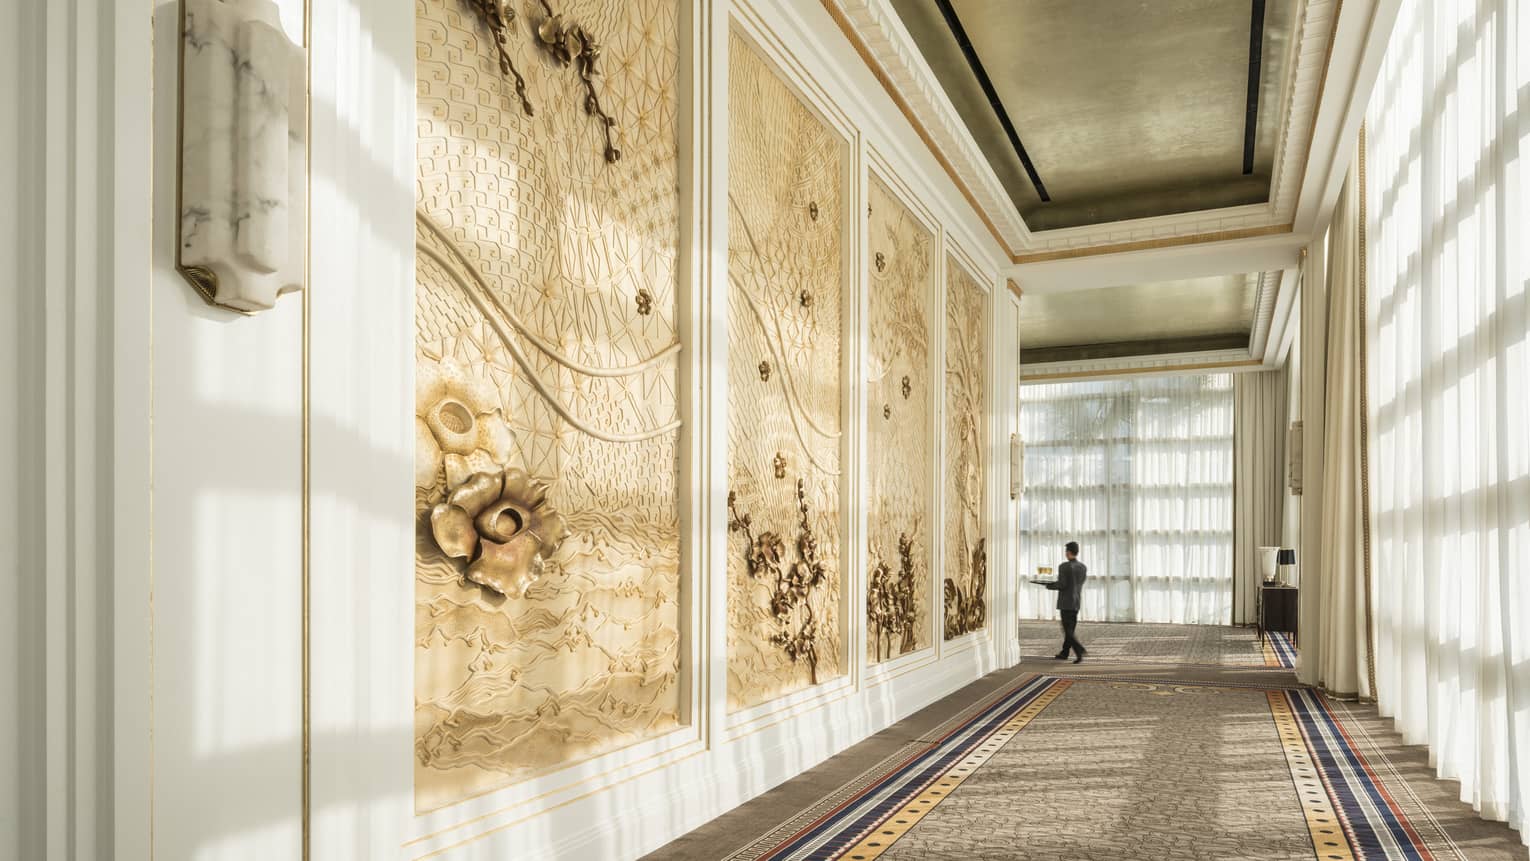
[(242, 238), (1016, 465)]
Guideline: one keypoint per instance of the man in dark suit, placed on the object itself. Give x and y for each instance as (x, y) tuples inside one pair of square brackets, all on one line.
[(1069, 588)]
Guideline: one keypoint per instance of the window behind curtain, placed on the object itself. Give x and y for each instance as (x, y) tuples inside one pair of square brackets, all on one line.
[(1140, 473)]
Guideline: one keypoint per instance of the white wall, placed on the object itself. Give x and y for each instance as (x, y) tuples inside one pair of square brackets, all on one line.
[(227, 521)]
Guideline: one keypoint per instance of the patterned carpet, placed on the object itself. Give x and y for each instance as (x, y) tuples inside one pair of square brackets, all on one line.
[(1104, 761), (1191, 645), (1100, 768)]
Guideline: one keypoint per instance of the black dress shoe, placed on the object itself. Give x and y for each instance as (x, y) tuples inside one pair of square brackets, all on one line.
[(1060, 656), (1079, 657)]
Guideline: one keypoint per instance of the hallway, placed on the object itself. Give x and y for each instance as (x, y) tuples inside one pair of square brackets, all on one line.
[(1145, 754)]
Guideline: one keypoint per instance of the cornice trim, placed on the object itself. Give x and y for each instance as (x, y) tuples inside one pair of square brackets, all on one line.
[(1175, 365), (1264, 311), (1149, 244)]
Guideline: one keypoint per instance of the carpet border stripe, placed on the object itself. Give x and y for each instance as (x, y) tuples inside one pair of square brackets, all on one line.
[(854, 820), (887, 833), (1280, 650), (1374, 825)]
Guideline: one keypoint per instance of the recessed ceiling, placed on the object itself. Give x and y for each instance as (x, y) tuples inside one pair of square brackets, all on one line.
[(1138, 319), (1094, 111)]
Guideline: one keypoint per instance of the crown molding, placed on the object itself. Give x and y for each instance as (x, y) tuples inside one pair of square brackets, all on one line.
[(1267, 286)]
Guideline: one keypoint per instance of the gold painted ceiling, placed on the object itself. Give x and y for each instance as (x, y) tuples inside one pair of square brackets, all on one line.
[(1138, 319), (1125, 108)]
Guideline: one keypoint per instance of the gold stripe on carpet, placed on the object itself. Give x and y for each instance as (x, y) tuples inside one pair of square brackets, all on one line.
[(882, 839), (1322, 821)]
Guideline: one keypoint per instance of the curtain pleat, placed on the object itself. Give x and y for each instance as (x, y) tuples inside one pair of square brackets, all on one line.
[(1259, 480), (1343, 656), (1314, 371), (1334, 640), (1448, 259)]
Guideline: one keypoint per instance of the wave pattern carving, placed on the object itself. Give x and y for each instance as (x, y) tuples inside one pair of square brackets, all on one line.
[(547, 361), (785, 271)]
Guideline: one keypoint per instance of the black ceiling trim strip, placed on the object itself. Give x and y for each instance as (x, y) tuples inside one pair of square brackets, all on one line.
[(1255, 60), (955, 24)]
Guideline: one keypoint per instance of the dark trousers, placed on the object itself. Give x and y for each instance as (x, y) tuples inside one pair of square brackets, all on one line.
[(1069, 625)]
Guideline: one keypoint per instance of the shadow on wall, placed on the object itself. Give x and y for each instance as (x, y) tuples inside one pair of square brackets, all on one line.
[(228, 504)]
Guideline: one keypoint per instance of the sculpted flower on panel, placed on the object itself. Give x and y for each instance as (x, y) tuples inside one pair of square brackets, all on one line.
[(459, 426), (495, 518), (502, 524)]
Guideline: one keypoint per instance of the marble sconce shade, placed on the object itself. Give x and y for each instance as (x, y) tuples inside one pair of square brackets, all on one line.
[(243, 160)]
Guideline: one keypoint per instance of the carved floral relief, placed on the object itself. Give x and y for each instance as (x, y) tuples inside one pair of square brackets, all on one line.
[(966, 555), (900, 439), (547, 624), (785, 270)]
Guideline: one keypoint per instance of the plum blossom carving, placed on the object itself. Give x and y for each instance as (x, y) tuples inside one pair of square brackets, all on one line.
[(967, 611), (498, 16), (890, 602), (793, 584), (571, 44)]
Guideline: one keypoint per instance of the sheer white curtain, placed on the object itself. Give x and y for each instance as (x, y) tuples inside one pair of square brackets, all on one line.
[(1140, 473), (1447, 190)]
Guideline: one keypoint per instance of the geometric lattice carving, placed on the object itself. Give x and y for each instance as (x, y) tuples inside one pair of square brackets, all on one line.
[(785, 270), (966, 553), (900, 435), (547, 378)]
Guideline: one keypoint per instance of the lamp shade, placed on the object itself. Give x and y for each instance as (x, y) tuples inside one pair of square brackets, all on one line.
[(1287, 556)]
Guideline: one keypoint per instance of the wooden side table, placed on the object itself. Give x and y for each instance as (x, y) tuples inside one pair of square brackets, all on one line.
[(1277, 610)]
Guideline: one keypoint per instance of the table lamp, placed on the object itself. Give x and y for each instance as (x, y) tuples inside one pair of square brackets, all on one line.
[(1286, 559)]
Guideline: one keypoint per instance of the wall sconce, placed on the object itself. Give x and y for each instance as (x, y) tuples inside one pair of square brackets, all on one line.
[(1016, 465), (243, 167), (1294, 458)]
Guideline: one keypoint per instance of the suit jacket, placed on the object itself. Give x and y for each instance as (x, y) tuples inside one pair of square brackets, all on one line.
[(1070, 584)]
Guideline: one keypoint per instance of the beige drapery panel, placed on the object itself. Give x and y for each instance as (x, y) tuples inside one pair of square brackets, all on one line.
[(1335, 641), (1259, 480)]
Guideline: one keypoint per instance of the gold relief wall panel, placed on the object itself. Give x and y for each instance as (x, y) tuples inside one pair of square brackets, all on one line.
[(966, 548), (786, 228), (900, 448), (547, 546)]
